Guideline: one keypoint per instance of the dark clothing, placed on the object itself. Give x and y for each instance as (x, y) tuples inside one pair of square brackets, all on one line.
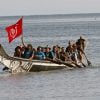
[(27, 54), (5, 69), (17, 54), (50, 55), (80, 44), (63, 56), (69, 50)]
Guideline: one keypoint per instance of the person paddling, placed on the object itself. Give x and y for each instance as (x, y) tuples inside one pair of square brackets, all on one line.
[(81, 44), (74, 54), (39, 54), (63, 55), (49, 54), (69, 50)]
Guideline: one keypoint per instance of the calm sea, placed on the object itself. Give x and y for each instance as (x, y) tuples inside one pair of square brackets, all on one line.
[(78, 84)]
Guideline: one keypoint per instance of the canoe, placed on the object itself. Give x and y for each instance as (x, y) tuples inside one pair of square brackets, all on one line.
[(15, 64)]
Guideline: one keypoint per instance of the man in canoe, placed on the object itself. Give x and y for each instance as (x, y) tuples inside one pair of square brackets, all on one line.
[(69, 50), (18, 52), (63, 55), (81, 44), (28, 50), (49, 54), (39, 54)]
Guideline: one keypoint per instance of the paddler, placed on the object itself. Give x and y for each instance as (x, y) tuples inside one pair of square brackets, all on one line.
[(81, 44)]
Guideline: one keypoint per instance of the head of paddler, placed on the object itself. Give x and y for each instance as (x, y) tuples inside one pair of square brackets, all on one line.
[(58, 49), (55, 49), (62, 49), (34, 50), (43, 49), (74, 47), (22, 48), (47, 49), (69, 43), (29, 47), (81, 37), (39, 49), (18, 49)]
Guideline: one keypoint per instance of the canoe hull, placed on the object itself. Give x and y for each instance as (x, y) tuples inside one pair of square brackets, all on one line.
[(16, 65), (35, 66)]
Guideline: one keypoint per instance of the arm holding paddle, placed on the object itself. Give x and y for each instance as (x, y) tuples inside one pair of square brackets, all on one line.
[(88, 62)]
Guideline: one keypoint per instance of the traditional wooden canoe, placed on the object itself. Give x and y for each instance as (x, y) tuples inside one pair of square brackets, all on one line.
[(15, 64)]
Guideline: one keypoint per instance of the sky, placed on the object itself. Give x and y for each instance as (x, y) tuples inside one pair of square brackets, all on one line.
[(41, 7)]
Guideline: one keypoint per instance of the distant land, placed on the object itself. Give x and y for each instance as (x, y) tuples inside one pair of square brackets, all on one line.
[(54, 15)]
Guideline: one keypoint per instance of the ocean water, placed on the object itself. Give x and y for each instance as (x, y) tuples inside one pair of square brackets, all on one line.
[(78, 84)]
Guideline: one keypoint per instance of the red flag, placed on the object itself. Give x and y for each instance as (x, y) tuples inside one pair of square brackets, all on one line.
[(14, 30)]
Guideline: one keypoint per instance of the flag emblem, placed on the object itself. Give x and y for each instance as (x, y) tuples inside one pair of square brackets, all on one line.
[(13, 32)]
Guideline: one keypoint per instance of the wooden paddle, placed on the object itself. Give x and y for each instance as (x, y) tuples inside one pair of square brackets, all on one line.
[(66, 63), (83, 64), (79, 66), (89, 63), (58, 61)]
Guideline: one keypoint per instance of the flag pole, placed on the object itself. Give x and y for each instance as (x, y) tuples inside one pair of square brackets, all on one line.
[(22, 32)]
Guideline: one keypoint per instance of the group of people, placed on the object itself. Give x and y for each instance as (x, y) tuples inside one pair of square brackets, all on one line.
[(73, 52)]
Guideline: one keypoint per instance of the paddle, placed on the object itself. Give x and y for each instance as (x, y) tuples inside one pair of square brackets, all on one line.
[(89, 63), (83, 64), (79, 66), (58, 61), (65, 63)]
